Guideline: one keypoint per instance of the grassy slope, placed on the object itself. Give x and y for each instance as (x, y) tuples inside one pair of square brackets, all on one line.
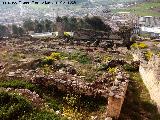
[(138, 105), (143, 9)]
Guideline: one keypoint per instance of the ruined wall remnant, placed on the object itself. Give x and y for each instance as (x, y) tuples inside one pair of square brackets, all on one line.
[(113, 90), (115, 102), (150, 73), (114, 106)]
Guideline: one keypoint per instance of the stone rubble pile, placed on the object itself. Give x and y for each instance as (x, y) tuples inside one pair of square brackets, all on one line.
[(119, 86), (103, 87)]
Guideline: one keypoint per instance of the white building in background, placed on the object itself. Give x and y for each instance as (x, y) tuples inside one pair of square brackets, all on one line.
[(49, 34), (154, 31), (149, 25), (46, 34)]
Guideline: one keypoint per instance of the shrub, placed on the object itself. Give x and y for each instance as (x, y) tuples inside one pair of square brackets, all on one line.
[(48, 60), (80, 57), (103, 67), (142, 45), (46, 69), (139, 45), (53, 103), (71, 100), (112, 70), (107, 58), (17, 84), (148, 55), (41, 115), (22, 85), (13, 106), (130, 68), (55, 56)]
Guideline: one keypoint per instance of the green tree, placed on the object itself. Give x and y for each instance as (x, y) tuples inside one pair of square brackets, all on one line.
[(72, 24), (20, 31), (53, 28), (125, 32), (108, 29), (28, 25), (58, 19), (65, 22), (65, 19), (96, 23), (38, 26), (48, 25), (15, 30), (41, 26), (83, 24), (3, 30)]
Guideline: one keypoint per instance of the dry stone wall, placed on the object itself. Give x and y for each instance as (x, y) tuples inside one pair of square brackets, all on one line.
[(150, 73), (113, 90), (115, 104)]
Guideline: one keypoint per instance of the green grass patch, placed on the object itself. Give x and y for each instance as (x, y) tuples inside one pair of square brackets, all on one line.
[(40, 115), (18, 84), (54, 104), (130, 68), (143, 9), (80, 57)]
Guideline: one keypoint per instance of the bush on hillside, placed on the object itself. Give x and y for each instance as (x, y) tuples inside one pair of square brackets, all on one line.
[(13, 106), (139, 45), (148, 55)]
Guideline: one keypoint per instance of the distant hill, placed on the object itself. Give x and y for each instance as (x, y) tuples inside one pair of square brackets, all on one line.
[(149, 8), (80, 1)]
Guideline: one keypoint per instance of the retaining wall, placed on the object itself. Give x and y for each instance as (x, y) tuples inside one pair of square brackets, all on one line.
[(150, 73)]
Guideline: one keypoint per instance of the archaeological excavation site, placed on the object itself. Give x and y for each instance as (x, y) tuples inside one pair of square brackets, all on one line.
[(49, 78)]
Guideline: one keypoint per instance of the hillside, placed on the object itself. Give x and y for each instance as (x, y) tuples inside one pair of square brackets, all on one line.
[(143, 9)]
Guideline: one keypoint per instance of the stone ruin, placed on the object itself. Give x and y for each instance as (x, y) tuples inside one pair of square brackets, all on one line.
[(112, 88), (150, 72)]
